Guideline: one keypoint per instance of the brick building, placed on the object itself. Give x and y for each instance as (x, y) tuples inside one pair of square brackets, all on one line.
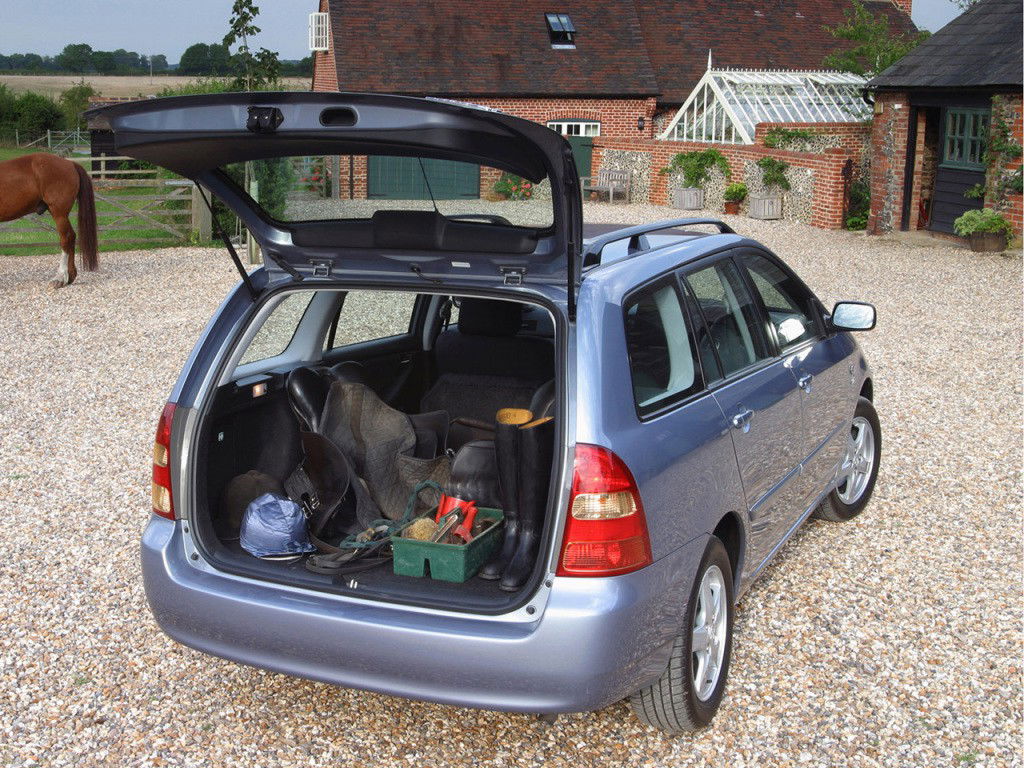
[(940, 113), (596, 71)]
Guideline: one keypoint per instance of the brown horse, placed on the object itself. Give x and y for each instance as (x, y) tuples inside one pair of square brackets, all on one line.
[(37, 183)]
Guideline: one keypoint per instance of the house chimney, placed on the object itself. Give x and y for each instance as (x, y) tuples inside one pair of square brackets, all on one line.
[(904, 5)]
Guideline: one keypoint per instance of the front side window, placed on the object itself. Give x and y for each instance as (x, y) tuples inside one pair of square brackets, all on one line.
[(371, 315), (966, 138), (788, 305), (662, 360), (733, 332)]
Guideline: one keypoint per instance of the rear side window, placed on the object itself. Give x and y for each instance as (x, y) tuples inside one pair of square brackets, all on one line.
[(662, 361), (371, 315), (732, 321), (279, 328), (787, 303)]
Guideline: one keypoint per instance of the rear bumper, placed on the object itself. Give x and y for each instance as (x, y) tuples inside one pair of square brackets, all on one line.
[(596, 640)]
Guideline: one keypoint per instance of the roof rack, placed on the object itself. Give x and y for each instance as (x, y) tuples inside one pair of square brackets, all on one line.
[(592, 253)]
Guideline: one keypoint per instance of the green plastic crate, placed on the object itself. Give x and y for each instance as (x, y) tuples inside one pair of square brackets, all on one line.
[(448, 562)]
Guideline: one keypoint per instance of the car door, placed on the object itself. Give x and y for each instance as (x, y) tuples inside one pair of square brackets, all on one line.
[(759, 398), (674, 438), (380, 330), (818, 363)]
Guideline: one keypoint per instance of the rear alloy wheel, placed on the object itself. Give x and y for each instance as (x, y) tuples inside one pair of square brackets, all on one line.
[(859, 468), (686, 696)]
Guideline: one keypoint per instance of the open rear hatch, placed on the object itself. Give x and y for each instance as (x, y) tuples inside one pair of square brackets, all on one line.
[(199, 136), (253, 418)]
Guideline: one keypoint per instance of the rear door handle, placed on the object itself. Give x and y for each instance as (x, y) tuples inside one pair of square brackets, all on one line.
[(804, 382), (741, 420)]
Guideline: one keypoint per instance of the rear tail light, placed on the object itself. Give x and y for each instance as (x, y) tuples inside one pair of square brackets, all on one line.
[(605, 532), (163, 504)]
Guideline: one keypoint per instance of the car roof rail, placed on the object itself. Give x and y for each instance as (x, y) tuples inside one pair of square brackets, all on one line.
[(592, 253)]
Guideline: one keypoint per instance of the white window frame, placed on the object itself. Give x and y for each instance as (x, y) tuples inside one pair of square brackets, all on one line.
[(319, 32), (563, 127)]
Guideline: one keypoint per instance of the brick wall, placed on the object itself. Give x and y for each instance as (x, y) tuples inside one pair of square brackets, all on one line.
[(1011, 206), (325, 71), (889, 134), (825, 170), (618, 117), (905, 5)]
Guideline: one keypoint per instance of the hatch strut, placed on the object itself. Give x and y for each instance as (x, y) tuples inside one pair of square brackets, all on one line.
[(253, 293)]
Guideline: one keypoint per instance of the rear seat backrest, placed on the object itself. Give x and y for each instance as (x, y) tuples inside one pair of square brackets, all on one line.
[(486, 363)]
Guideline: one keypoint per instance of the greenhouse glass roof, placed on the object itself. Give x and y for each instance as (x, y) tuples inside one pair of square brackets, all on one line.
[(726, 104)]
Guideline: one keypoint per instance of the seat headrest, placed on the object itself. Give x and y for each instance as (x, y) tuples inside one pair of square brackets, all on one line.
[(487, 317)]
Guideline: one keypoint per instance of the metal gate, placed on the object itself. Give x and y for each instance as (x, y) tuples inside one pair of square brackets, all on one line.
[(401, 178)]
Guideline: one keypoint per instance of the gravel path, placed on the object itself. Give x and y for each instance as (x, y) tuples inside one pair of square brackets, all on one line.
[(894, 640)]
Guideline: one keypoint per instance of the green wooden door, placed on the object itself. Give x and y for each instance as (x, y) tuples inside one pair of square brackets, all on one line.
[(401, 178), (582, 151)]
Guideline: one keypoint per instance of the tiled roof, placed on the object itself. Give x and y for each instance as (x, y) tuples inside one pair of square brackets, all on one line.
[(983, 47), (778, 34), (465, 48), (488, 48)]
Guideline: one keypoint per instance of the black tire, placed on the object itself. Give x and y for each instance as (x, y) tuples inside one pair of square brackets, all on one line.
[(832, 507), (671, 703)]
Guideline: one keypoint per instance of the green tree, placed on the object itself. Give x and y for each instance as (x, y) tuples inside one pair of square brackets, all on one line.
[(253, 71), (74, 101), (195, 60), (35, 113), (159, 62), (219, 62), (76, 57), (104, 62), (874, 47)]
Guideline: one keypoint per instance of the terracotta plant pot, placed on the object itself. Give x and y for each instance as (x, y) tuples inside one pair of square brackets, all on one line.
[(987, 242), (732, 206)]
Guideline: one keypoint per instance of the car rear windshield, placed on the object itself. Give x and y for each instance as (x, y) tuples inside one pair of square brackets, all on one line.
[(319, 188)]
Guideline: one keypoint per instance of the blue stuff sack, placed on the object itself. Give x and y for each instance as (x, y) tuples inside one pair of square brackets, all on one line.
[(274, 526)]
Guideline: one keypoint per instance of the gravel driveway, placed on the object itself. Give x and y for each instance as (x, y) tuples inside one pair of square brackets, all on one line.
[(894, 640)]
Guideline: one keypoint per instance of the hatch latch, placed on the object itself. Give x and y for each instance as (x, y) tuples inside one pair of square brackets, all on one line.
[(513, 275), (321, 267), (264, 119)]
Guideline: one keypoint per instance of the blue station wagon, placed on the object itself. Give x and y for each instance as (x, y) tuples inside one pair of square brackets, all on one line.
[(648, 414)]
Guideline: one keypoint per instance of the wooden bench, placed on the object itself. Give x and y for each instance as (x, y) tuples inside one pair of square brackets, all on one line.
[(609, 181)]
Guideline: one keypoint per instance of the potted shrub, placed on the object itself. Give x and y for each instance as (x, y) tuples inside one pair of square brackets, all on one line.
[(695, 168), (773, 178), (734, 194), (512, 187), (984, 228)]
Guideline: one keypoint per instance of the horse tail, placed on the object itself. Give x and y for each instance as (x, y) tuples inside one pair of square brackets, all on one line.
[(87, 221)]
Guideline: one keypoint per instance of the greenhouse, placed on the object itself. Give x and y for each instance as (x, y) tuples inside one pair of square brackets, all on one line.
[(726, 104)]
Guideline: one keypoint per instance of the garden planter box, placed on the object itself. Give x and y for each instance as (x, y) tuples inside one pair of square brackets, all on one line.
[(688, 198), (987, 242), (765, 208), (732, 206)]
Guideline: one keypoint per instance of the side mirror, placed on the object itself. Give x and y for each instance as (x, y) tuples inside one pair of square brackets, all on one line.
[(853, 316)]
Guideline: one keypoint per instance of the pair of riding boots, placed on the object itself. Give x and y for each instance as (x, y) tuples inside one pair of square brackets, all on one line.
[(524, 449)]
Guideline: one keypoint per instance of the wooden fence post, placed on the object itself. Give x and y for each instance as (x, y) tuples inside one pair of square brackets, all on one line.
[(335, 177), (202, 220)]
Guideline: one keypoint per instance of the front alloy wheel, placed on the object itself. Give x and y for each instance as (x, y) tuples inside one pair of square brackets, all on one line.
[(858, 469)]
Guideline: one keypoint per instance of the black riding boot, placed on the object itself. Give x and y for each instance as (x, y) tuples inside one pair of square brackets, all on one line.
[(536, 451), (508, 456)]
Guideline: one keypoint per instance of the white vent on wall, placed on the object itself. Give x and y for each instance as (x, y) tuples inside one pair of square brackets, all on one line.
[(319, 32)]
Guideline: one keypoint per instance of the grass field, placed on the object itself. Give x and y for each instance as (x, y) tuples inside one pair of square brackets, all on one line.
[(118, 85), (8, 153)]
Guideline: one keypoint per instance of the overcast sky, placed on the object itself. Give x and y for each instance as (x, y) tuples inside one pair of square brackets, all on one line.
[(170, 26)]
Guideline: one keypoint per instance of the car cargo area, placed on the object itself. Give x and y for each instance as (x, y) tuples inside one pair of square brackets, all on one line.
[(361, 407)]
